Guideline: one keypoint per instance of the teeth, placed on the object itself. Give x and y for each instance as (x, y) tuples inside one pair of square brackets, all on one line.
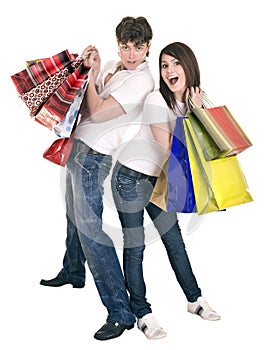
[(172, 77)]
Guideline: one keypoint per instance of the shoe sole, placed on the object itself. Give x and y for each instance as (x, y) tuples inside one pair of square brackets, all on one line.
[(45, 284), (80, 286), (206, 319), (115, 336)]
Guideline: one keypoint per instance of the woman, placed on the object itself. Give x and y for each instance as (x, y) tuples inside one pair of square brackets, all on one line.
[(109, 107), (134, 176)]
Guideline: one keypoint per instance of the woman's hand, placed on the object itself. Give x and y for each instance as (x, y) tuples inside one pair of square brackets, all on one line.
[(196, 94)]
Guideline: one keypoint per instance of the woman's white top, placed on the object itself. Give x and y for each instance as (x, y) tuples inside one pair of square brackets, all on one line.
[(143, 153)]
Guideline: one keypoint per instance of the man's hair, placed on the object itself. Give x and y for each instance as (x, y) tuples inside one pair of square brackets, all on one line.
[(136, 30)]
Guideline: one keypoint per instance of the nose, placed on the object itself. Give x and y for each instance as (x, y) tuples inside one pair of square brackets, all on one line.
[(131, 53), (170, 67)]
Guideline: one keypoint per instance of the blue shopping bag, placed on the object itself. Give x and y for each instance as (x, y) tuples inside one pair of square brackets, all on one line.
[(180, 197)]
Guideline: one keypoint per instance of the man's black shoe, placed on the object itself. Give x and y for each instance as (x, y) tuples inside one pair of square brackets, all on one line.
[(58, 282), (111, 330)]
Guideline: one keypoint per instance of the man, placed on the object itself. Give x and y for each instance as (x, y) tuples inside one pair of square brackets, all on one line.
[(108, 108)]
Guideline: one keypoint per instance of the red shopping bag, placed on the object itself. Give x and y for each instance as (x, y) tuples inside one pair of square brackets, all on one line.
[(38, 95), (57, 105), (43, 77), (41, 70), (222, 127), (59, 151), (49, 87)]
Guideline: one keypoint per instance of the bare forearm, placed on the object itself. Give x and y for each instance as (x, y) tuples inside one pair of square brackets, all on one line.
[(102, 110), (94, 101)]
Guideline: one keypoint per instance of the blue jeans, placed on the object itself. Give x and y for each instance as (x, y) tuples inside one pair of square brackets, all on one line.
[(132, 191), (86, 239)]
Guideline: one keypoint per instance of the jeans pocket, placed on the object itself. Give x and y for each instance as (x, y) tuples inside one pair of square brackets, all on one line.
[(126, 187), (86, 162)]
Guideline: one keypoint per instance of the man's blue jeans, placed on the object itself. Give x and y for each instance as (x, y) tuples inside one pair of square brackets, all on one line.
[(86, 239), (132, 191)]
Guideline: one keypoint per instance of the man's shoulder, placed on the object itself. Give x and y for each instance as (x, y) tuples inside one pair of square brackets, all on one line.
[(155, 97)]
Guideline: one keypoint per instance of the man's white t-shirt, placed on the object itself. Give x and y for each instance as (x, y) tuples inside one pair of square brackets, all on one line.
[(129, 88)]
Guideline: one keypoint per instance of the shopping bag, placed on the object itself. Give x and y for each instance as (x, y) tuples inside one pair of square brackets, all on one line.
[(65, 127), (56, 107), (49, 87), (180, 187), (32, 62), (219, 183), (173, 190), (59, 151), (159, 196), (37, 96), (42, 78), (222, 127), (208, 145), (41, 70)]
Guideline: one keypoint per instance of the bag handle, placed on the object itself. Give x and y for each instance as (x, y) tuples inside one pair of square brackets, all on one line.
[(206, 103)]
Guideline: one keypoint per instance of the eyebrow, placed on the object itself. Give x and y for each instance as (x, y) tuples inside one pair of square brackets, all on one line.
[(136, 45), (173, 59)]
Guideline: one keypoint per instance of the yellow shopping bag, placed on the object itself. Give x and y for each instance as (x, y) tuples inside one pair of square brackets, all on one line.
[(218, 183)]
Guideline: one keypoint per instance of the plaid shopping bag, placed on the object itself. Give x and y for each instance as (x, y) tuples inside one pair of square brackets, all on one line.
[(56, 107), (52, 89), (65, 127), (38, 95), (41, 70)]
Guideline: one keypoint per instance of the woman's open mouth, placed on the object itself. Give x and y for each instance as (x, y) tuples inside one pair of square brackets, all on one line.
[(173, 80)]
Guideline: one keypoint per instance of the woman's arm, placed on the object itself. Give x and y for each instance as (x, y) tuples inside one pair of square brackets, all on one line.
[(162, 135)]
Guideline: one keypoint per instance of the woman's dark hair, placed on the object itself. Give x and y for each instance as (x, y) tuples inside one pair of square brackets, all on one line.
[(136, 30), (189, 64)]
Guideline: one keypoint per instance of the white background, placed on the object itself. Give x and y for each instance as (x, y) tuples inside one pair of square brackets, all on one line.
[(230, 251)]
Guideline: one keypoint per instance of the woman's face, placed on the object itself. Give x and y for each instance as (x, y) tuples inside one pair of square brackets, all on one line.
[(131, 55), (173, 75)]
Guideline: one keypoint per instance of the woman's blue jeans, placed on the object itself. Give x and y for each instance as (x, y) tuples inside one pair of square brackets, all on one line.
[(86, 239), (132, 191)]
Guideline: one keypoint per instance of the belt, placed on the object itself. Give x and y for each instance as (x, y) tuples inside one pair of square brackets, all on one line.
[(85, 148), (91, 150), (133, 173)]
